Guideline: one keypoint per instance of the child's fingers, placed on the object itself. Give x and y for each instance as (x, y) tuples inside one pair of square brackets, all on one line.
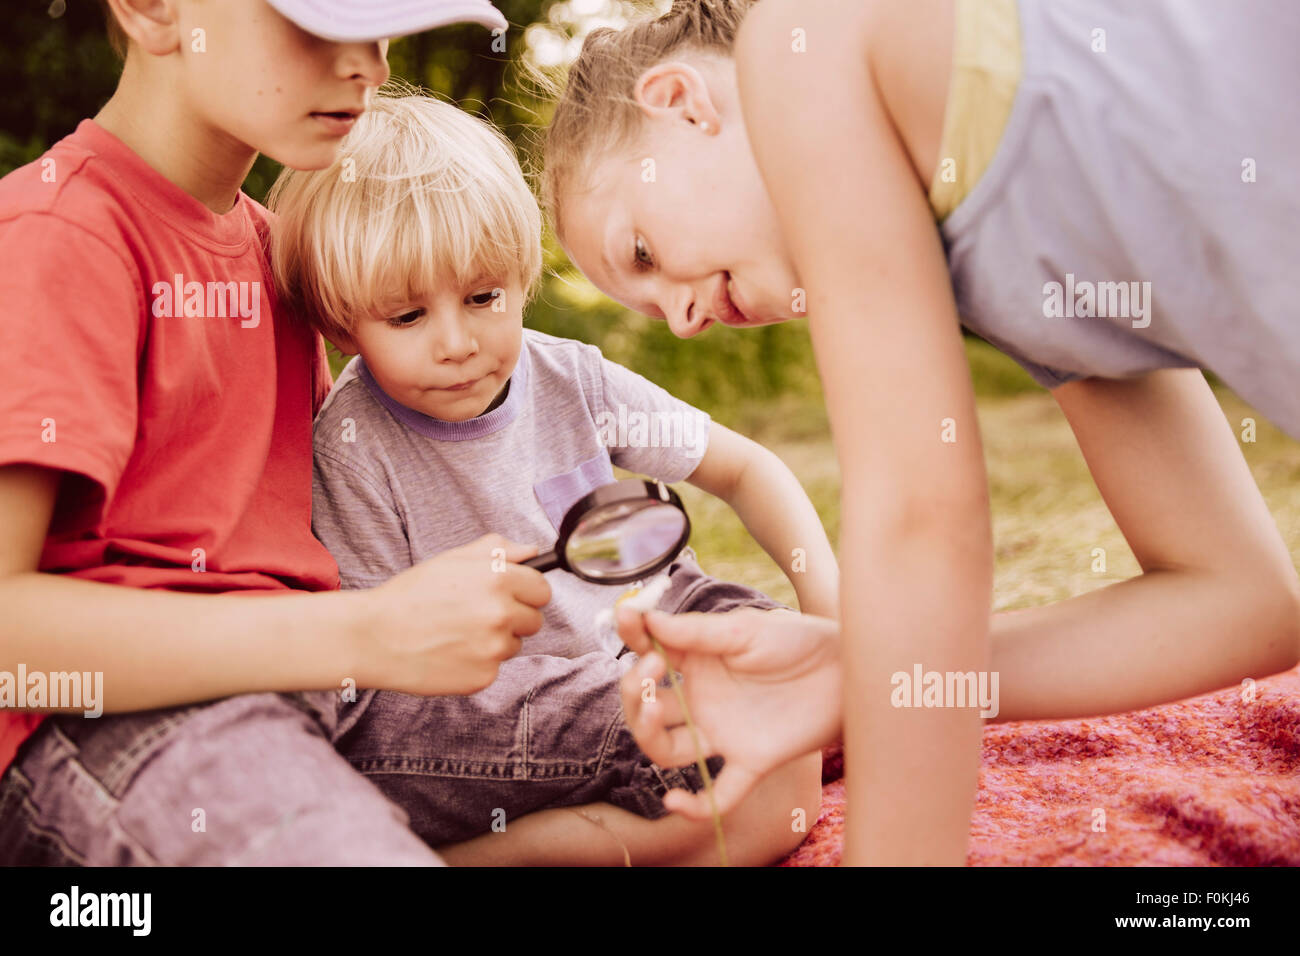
[(631, 630), (730, 787), (645, 699), (527, 586), (731, 632), (631, 688), (650, 667), (495, 546), (654, 716), (667, 743), (692, 806)]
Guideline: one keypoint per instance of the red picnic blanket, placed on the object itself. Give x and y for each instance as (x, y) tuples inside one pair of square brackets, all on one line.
[(1213, 780)]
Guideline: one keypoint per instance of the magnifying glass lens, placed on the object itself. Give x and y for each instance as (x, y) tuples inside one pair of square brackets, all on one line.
[(624, 538)]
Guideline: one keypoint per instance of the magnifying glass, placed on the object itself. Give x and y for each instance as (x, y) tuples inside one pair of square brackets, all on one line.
[(619, 533)]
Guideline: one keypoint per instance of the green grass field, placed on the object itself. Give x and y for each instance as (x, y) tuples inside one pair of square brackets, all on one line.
[(1047, 514)]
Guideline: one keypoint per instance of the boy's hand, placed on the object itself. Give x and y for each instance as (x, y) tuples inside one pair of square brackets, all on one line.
[(763, 687), (445, 625)]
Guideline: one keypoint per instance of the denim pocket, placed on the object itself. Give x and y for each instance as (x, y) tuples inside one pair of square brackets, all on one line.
[(558, 493)]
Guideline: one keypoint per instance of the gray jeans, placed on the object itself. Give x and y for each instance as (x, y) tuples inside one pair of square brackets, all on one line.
[(312, 779)]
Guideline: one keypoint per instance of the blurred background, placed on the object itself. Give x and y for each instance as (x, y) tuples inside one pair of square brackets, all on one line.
[(1049, 519)]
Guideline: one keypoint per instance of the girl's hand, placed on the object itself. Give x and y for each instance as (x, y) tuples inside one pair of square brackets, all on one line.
[(763, 687), (445, 625)]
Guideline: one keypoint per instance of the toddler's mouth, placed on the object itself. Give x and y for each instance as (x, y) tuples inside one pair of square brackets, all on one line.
[(461, 387)]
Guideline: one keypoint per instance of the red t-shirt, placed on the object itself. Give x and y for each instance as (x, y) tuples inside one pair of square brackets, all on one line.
[(148, 360)]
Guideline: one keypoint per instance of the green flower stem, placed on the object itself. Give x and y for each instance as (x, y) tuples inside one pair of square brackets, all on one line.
[(699, 752)]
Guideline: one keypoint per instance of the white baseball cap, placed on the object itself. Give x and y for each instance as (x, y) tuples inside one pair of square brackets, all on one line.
[(350, 21)]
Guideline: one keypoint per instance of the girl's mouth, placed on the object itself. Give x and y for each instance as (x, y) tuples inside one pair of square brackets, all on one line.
[(737, 315), (336, 124)]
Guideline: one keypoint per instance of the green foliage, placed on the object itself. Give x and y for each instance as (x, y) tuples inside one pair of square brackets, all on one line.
[(995, 375), (56, 71)]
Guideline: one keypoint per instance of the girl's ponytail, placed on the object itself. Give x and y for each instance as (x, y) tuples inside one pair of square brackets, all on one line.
[(595, 112)]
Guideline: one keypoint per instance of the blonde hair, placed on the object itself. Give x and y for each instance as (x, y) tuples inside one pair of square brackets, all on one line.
[(420, 190), (595, 111)]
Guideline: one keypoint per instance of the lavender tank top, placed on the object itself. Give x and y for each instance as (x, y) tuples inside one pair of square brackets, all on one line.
[(1142, 207)]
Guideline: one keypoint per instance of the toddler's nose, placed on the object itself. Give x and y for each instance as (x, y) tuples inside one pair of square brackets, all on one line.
[(454, 343)]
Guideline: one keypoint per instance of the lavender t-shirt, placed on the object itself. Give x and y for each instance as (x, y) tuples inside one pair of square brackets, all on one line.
[(392, 486)]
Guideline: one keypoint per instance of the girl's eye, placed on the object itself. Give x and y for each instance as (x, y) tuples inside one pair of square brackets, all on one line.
[(487, 298), (641, 258), (406, 318)]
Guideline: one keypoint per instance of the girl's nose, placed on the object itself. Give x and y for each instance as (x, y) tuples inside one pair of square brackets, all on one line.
[(687, 319)]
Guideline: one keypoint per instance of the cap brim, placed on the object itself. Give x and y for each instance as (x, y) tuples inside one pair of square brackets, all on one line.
[(348, 22)]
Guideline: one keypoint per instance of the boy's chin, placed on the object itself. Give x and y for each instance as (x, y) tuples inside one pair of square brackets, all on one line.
[(304, 157)]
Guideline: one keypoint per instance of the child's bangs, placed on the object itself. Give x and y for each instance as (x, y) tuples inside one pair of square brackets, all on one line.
[(423, 194), (436, 235), (416, 234)]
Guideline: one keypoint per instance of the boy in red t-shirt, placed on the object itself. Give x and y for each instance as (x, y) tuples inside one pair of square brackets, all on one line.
[(155, 464)]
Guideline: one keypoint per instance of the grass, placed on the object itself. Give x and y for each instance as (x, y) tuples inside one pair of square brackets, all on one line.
[(1047, 514)]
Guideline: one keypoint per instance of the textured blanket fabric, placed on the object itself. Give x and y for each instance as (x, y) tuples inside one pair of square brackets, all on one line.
[(1214, 780)]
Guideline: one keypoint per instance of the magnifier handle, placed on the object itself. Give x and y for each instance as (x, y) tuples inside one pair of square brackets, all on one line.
[(543, 562)]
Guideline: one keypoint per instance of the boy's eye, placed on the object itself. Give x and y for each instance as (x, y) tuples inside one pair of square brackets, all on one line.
[(641, 258), (488, 297), (406, 318)]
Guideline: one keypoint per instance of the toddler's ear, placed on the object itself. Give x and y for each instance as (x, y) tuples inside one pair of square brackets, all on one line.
[(343, 342)]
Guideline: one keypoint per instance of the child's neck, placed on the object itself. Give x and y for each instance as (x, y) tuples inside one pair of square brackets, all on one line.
[(207, 163)]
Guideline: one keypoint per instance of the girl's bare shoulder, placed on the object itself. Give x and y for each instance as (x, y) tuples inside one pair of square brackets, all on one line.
[(876, 27), (906, 46), (805, 25)]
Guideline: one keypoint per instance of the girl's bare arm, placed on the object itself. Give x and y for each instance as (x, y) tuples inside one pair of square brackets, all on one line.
[(1218, 599), (916, 546)]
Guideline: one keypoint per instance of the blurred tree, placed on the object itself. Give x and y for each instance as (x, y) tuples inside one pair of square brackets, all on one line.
[(58, 68)]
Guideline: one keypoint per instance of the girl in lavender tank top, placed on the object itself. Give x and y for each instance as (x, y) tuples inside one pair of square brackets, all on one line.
[(1128, 218)]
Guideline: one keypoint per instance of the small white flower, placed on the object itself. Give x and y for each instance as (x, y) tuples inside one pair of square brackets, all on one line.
[(640, 597)]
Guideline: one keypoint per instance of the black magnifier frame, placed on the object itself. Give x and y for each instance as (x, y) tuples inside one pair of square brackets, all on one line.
[(607, 496)]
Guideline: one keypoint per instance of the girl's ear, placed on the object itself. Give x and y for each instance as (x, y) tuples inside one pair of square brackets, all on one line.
[(676, 90)]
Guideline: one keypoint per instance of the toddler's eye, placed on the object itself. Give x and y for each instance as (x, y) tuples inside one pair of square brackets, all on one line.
[(406, 318), (641, 258), (487, 298)]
